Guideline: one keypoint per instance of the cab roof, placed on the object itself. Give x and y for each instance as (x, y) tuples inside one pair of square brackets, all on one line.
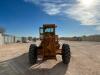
[(49, 26)]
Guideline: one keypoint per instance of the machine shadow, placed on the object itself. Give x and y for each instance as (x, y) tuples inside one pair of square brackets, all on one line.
[(22, 62), (58, 69), (18, 62)]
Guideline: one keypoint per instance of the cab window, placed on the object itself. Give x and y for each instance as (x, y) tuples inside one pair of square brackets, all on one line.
[(49, 30)]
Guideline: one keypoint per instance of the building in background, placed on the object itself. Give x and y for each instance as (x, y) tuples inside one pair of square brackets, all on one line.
[(17, 39), (2, 31), (8, 39), (1, 38)]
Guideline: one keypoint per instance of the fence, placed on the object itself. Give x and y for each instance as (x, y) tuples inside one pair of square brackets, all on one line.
[(6, 39)]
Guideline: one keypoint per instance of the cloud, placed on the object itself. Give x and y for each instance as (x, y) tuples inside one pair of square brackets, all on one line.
[(86, 12), (87, 15), (51, 9), (54, 9)]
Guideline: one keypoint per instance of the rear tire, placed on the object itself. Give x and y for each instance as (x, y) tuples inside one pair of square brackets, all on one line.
[(33, 54), (66, 54)]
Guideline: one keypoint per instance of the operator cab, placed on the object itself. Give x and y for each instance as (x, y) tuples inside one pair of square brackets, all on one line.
[(47, 30)]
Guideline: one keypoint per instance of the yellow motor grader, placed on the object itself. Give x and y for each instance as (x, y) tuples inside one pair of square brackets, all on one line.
[(49, 46)]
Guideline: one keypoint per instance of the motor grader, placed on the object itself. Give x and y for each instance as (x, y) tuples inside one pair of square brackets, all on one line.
[(49, 46)]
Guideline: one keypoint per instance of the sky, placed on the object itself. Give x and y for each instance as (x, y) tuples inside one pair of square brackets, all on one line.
[(72, 17)]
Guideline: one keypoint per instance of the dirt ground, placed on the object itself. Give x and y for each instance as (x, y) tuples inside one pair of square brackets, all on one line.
[(85, 60)]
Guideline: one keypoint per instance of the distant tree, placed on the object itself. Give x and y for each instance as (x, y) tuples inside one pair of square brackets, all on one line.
[(84, 36), (2, 30), (34, 39), (30, 38), (24, 39)]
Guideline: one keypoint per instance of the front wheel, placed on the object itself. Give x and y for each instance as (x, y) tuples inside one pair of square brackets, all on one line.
[(33, 54), (66, 54)]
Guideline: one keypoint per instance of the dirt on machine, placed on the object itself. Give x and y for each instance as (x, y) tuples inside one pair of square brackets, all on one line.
[(49, 46)]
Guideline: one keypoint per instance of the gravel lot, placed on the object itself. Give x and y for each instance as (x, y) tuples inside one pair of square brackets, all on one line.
[(85, 60)]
